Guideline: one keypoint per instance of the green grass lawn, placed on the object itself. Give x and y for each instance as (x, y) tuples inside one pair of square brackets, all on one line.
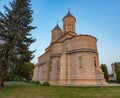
[(30, 90)]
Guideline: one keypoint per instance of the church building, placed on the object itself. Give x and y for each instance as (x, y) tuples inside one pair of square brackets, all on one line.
[(70, 59)]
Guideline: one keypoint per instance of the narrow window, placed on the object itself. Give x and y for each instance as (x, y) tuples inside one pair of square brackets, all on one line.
[(80, 62), (42, 70), (50, 68), (95, 62), (58, 65)]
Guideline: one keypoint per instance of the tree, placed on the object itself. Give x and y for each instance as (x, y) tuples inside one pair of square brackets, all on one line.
[(104, 69), (117, 71), (15, 27), (25, 72)]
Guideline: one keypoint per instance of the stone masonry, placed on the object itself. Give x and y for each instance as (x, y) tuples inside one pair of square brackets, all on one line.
[(70, 59)]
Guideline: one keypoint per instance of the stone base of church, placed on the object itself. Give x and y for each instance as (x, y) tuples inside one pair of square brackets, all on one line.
[(77, 82)]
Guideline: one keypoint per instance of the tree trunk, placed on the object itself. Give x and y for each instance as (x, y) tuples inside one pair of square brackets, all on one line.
[(1, 81)]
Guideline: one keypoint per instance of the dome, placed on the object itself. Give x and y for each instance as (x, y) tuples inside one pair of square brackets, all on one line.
[(69, 15), (57, 28)]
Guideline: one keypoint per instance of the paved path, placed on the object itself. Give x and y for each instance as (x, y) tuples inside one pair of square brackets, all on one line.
[(112, 84)]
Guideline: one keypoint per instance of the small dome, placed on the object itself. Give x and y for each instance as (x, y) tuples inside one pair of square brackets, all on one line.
[(57, 28), (69, 15)]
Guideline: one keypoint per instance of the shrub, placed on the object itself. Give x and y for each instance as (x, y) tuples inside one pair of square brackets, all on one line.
[(46, 84), (104, 69), (36, 82)]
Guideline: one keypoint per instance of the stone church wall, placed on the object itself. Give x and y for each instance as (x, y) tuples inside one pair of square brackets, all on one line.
[(81, 70), (70, 59), (83, 41), (54, 71), (56, 48), (43, 67)]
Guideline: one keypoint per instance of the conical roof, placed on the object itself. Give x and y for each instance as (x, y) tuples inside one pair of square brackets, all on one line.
[(57, 28), (69, 15)]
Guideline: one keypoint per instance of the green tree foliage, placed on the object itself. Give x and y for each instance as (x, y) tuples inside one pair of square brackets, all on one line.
[(19, 74), (9, 75), (25, 72), (15, 37), (104, 69), (117, 71)]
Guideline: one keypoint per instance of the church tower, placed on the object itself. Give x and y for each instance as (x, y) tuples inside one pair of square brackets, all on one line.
[(69, 23), (56, 33), (70, 59)]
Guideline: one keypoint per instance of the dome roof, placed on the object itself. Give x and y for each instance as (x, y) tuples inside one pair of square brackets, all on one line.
[(57, 28), (69, 15)]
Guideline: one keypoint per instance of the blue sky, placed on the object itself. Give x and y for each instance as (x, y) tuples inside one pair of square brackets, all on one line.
[(100, 18)]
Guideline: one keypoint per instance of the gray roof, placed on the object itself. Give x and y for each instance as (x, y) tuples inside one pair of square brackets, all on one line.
[(69, 15), (57, 28)]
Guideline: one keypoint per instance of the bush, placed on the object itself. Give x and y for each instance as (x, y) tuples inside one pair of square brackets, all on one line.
[(17, 78), (46, 84), (35, 82)]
